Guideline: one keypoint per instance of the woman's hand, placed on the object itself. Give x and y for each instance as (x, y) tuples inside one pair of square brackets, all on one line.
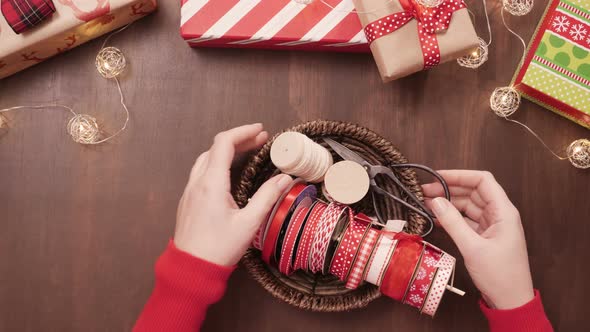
[(489, 235), (209, 224)]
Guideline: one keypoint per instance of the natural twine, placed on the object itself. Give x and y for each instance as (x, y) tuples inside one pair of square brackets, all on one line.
[(318, 292)]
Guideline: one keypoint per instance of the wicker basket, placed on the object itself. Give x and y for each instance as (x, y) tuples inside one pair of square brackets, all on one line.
[(318, 292)]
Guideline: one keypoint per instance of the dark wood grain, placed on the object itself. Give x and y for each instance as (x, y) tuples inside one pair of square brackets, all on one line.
[(81, 226)]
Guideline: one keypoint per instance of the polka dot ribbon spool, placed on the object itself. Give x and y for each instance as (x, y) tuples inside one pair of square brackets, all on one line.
[(348, 247), (446, 266), (431, 20)]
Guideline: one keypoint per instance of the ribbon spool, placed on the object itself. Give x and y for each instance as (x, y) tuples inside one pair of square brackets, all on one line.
[(518, 7)]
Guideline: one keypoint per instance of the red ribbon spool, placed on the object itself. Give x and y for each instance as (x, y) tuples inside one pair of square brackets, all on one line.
[(345, 254), (313, 220), (401, 268), (295, 226), (277, 221)]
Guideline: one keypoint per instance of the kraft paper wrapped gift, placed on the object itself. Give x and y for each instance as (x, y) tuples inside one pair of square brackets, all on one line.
[(399, 53), (73, 23)]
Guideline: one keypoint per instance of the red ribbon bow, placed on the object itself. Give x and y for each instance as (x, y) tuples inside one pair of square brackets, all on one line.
[(431, 20)]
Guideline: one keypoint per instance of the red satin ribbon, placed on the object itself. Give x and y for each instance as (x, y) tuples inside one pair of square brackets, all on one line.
[(431, 20), (401, 267), (286, 259), (276, 223)]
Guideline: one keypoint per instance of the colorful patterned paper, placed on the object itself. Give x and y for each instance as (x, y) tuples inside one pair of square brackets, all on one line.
[(75, 22), (556, 70)]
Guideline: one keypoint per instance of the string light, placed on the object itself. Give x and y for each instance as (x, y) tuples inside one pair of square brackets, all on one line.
[(480, 55), (83, 128), (518, 7), (504, 101), (430, 3), (579, 153), (476, 58), (110, 62)]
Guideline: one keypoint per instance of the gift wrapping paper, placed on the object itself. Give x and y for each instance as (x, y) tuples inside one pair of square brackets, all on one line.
[(74, 23), (556, 70), (273, 24), (399, 53)]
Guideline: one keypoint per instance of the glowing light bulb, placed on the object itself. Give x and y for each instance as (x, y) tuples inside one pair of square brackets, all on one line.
[(110, 62), (476, 58)]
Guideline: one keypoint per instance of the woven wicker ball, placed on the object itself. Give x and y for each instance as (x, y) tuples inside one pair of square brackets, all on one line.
[(318, 292)]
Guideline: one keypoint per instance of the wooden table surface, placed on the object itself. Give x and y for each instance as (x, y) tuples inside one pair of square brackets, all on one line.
[(82, 226)]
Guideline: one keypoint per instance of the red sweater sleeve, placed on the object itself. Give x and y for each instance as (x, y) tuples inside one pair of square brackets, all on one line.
[(185, 287), (528, 318)]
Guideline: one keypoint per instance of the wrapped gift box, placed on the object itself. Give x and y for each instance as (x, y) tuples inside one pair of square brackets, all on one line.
[(556, 71), (73, 23), (273, 24), (400, 44)]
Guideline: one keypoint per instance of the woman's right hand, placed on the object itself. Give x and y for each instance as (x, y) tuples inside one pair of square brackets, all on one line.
[(489, 235)]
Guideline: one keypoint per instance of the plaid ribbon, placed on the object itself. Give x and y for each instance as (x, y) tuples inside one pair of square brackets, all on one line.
[(22, 15)]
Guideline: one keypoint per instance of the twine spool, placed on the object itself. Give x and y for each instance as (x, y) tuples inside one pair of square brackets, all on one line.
[(476, 58), (110, 62), (504, 101), (579, 153), (318, 292), (518, 7), (83, 129)]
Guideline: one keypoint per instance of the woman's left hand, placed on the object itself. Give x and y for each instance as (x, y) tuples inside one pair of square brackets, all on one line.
[(209, 224)]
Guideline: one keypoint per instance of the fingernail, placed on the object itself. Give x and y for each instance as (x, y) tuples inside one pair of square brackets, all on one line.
[(258, 124), (283, 180), (439, 206)]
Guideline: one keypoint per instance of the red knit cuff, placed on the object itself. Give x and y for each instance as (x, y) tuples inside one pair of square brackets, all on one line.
[(528, 317), (182, 273)]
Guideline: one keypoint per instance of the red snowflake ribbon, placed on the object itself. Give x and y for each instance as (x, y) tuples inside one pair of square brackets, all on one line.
[(431, 20), (22, 15)]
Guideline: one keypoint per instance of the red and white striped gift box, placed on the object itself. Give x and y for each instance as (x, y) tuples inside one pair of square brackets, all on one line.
[(273, 24)]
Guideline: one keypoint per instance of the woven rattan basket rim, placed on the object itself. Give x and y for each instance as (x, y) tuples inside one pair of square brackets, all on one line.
[(324, 293)]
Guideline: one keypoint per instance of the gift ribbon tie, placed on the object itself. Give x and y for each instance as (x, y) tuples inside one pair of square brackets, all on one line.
[(431, 20), (22, 15)]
